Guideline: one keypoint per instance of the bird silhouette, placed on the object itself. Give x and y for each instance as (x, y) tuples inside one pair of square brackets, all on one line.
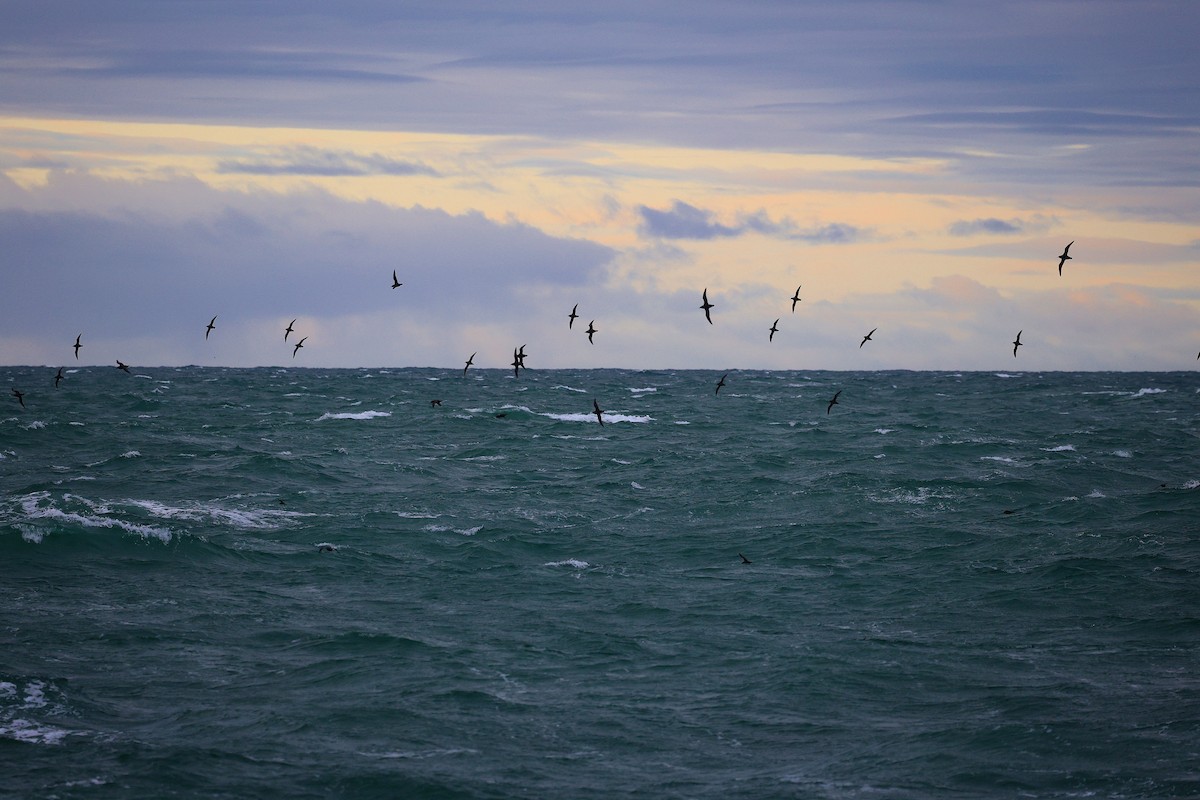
[(435, 403), (20, 397), (58, 378), (591, 329), (796, 299), (209, 328), (707, 306), (1017, 342), (299, 344), (77, 346), (867, 338), (124, 367), (596, 410), (470, 361), (833, 402), (744, 559), (572, 316), (395, 283), (774, 328), (720, 383), (289, 329), (1064, 258)]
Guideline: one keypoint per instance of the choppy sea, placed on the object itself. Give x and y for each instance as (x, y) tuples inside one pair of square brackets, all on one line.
[(310, 583)]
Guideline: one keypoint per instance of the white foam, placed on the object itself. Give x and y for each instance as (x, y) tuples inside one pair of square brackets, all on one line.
[(1097, 493), (347, 415), (449, 529), (1144, 392), (682, 422), (37, 424), (570, 562), (636, 485), (648, 389), (1006, 375), (1002, 459), (1192, 485), (130, 454), (23, 730), (608, 417), (884, 430), (1122, 454), (30, 506), (259, 519), (571, 388), (1062, 448)]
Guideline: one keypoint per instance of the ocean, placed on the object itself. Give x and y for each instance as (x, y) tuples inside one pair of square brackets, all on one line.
[(313, 583)]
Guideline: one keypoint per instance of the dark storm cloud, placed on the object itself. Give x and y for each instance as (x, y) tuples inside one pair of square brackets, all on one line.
[(685, 221), (325, 163)]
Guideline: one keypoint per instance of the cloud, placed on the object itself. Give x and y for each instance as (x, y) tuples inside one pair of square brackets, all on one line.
[(685, 221), (312, 161), (1038, 223)]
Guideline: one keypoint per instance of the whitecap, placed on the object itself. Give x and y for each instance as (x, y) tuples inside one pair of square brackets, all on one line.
[(636, 485), (1192, 485), (22, 730), (1097, 493), (571, 388), (570, 562), (884, 430), (347, 415), (1006, 375), (682, 422), (646, 390), (130, 454), (1122, 454), (37, 424), (1062, 448), (1144, 392), (608, 417), (1002, 459)]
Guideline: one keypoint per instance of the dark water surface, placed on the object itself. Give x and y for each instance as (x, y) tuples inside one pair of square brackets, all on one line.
[(532, 605)]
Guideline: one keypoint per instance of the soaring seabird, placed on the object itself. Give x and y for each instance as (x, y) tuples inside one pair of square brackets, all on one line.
[(867, 338), (470, 361), (774, 328), (516, 365), (744, 559), (435, 403), (721, 383), (796, 298), (1017, 342), (209, 328), (20, 397), (1064, 258), (289, 329), (77, 346), (520, 356), (571, 317), (707, 306), (123, 366), (833, 402), (395, 283), (299, 344), (58, 378), (597, 411), (591, 329)]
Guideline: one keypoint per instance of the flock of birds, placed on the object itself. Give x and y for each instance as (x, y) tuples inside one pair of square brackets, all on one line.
[(518, 362)]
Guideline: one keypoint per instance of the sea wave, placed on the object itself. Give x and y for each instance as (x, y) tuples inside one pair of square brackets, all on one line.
[(347, 415)]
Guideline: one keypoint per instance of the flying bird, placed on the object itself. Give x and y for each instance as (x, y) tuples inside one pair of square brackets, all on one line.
[(1017, 342), (20, 397), (596, 410), (77, 346), (720, 383), (571, 317), (209, 328), (521, 356), (833, 402), (796, 298), (744, 559), (289, 329), (1064, 258), (435, 403), (470, 361), (867, 338), (774, 328), (299, 344), (395, 283), (516, 365), (58, 378), (591, 329), (121, 366), (707, 306)]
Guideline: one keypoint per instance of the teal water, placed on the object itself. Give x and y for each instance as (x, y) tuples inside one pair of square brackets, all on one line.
[(535, 606)]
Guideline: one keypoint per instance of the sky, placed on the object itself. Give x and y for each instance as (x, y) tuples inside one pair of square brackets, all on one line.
[(914, 166)]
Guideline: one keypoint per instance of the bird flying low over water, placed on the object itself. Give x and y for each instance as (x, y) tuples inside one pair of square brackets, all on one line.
[(77, 346), (470, 361), (516, 365), (596, 410), (435, 403), (289, 329), (796, 298), (124, 367), (720, 383), (299, 344), (58, 378), (209, 328), (867, 338), (591, 329), (744, 559), (1017, 342), (707, 306), (396, 284), (833, 402), (774, 329), (572, 316), (20, 397), (1064, 258)]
